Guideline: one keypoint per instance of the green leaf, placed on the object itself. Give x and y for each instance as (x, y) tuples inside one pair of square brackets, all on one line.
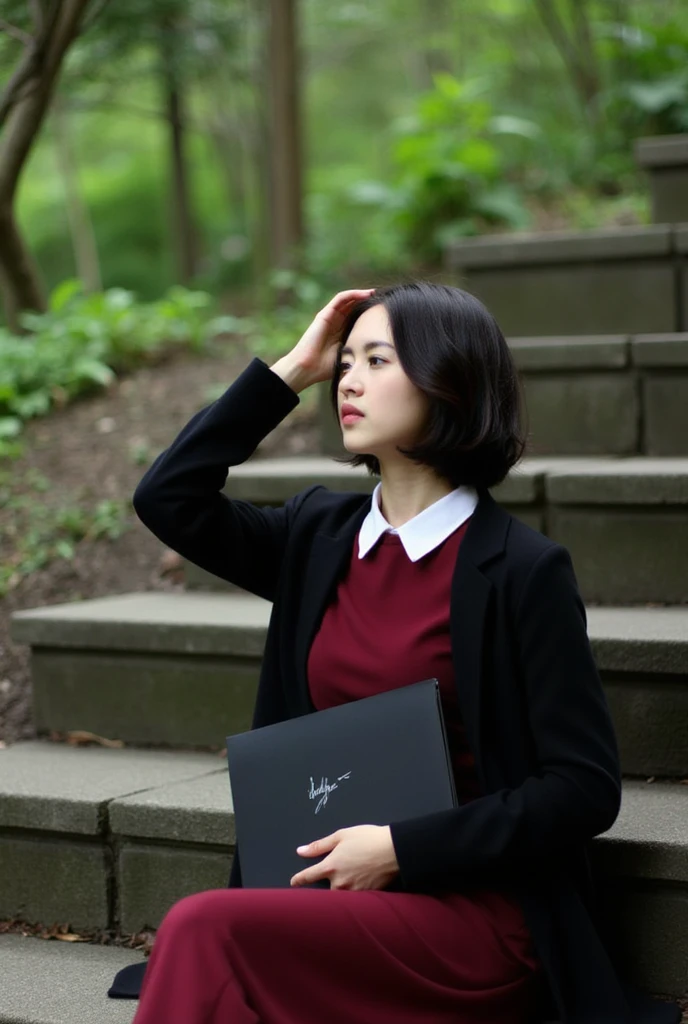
[(653, 97), (62, 294), (447, 85), (91, 369), (504, 204), (505, 124), (10, 426), (64, 548), (118, 298), (480, 156)]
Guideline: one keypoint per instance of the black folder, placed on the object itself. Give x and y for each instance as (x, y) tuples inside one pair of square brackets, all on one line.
[(367, 762)]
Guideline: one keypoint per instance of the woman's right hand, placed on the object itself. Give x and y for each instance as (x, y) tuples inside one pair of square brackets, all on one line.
[(316, 351)]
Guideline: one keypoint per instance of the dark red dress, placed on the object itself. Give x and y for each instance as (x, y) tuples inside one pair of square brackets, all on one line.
[(318, 956)]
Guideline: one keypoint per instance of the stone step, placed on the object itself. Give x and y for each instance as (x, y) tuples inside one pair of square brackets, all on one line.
[(641, 865), (182, 669), (624, 520), (98, 838), (590, 395), (52, 982), (101, 838), (607, 281), (665, 160)]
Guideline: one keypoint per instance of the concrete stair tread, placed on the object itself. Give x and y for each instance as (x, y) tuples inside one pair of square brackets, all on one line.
[(52, 982), (636, 480), (654, 820), (561, 245), (623, 638), (590, 352), (189, 621), (293, 465), (161, 840), (566, 479), (639, 639), (57, 787), (52, 787), (180, 669), (625, 279)]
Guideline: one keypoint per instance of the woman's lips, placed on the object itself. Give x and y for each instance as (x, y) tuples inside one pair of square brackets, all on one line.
[(351, 417)]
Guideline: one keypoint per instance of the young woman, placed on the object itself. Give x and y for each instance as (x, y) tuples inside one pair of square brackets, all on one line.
[(480, 914)]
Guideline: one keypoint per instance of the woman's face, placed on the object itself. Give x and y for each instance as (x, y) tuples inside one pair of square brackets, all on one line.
[(393, 408)]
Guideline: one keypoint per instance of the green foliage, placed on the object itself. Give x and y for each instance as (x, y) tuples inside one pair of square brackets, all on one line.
[(124, 189), (83, 341), (400, 156), (453, 158), (650, 96), (453, 163), (645, 92)]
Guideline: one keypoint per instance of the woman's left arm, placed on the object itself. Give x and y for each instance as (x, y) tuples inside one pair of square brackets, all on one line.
[(576, 793)]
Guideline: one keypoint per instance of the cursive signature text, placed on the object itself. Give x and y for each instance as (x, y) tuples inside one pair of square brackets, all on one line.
[(324, 789)]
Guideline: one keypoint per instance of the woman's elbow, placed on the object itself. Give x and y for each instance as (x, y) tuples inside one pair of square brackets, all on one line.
[(605, 806), (138, 501), (144, 505)]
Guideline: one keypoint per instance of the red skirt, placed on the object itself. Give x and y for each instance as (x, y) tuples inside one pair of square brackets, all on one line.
[(321, 956)]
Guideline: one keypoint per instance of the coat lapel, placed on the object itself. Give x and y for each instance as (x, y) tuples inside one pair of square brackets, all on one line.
[(470, 595)]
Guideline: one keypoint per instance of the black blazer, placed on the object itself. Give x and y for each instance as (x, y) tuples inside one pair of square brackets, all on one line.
[(533, 706)]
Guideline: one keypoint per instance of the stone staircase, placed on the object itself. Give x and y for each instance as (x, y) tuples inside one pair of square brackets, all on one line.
[(111, 838)]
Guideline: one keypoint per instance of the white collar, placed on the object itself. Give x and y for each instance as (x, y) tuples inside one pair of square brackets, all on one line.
[(425, 531)]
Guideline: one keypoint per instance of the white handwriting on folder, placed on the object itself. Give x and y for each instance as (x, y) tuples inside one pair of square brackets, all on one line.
[(324, 789)]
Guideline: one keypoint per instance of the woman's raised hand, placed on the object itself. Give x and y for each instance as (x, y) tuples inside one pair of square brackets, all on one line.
[(316, 351)]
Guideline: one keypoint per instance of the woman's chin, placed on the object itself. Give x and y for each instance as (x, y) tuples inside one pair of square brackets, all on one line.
[(353, 448)]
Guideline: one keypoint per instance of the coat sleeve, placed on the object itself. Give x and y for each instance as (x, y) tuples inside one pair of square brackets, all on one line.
[(575, 791), (180, 496)]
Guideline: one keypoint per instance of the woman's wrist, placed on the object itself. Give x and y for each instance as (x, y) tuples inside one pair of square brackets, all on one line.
[(291, 373)]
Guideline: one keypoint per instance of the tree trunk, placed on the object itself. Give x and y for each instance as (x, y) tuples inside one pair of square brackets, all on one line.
[(80, 224), (262, 249), (577, 53), (285, 157), (182, 215), (23, 106), (20, 286), (181, 199), (240, 139)]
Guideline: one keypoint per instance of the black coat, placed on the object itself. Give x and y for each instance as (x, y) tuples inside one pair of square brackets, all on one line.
[(533, 706)]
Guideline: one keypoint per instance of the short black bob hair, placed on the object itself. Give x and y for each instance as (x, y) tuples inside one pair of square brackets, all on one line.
[(452, 349)]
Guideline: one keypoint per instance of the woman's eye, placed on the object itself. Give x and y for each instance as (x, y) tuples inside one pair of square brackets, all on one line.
[(345, 366)]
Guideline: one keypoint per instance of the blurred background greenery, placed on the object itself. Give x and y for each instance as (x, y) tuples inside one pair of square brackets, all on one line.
[(423, 120), (178, 132)]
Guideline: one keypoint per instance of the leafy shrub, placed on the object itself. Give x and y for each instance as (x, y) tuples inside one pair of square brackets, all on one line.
[(82, 341), (452, 167), (650, 96)]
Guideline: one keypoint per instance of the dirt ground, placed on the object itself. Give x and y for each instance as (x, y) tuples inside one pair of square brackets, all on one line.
[(86, 452)]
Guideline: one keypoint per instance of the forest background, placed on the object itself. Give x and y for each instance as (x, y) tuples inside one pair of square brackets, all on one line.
[(421, 120)]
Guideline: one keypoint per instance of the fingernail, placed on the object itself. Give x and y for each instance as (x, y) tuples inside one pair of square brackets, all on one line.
[(301, 849)]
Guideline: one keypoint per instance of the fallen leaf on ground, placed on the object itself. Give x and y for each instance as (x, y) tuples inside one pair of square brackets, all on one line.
[(78, 737)]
